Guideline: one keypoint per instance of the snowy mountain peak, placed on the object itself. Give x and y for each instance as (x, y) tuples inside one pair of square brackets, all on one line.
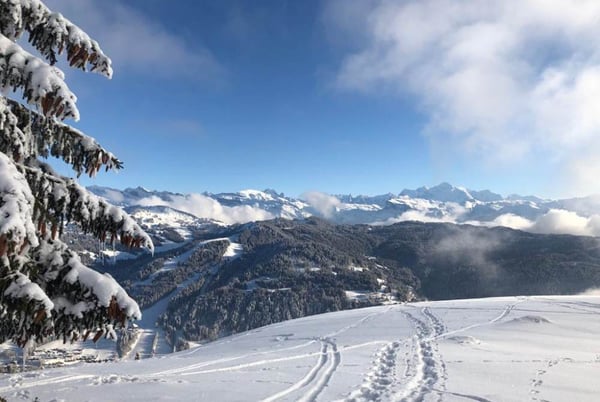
[(258, 195), (444, 192)]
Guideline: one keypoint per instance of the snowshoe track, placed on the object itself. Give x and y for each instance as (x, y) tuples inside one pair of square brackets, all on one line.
[(382, 376), (427, 373)]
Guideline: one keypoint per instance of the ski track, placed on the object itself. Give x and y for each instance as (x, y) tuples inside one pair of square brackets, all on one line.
[(334, 358), (464, 396), (507, 310), (307, 379), (225, 360), (358, 323), (587, 304), (190, 367), (580, 307), (329, 352), (57, 380)]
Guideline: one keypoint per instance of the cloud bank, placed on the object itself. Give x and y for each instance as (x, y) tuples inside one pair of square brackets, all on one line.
[(206, 207), (504, 81), (555, 221)]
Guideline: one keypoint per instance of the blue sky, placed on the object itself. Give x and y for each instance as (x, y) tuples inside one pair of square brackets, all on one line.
[(344, 97)]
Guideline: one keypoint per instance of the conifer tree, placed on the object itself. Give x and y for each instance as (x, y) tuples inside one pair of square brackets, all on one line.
[(45, 290)]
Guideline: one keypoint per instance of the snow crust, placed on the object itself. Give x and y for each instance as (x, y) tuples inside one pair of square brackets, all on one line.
[(451, 350)]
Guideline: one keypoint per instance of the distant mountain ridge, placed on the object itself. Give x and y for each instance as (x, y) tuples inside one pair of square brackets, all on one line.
[(441, 203)]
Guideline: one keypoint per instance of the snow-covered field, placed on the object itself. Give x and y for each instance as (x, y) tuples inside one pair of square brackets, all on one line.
[(502, 349)]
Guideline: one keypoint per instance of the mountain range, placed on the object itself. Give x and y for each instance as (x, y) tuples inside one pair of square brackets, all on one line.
[(441, 203)]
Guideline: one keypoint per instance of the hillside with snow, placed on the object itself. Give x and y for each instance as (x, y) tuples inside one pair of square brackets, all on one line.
[(502, 349)]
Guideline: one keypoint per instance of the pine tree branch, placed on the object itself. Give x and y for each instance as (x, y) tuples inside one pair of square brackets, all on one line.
[(28, 134), (42, 85), (17, 230), (83, 298), (62, 200), (60, 296), (25, 309), (51, 33)]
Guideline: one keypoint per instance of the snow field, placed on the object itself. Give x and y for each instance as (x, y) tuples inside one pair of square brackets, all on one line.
[(501, 349)]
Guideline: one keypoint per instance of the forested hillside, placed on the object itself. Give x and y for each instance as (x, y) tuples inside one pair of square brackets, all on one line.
[(289, 269)]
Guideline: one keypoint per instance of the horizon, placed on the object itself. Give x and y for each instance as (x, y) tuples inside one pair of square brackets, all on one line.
[(341, 97), (299, 196)]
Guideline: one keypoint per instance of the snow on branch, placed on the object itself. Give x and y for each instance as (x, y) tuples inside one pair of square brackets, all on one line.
[(51, 33), (21, 287), (43, 85), (32, 318), (89, 298), (62, 200), (17, 230), (25, 134), (68, 299)]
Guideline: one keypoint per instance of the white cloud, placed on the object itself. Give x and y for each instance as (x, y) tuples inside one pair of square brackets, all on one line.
[(555, 221), (205, 207), (558, 221), (326, 205), (504, 81), (419, 216), (114, 196), (512, 221), (137, 43)]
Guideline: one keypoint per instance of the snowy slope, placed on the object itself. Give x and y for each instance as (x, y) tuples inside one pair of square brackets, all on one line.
[(503, 349)]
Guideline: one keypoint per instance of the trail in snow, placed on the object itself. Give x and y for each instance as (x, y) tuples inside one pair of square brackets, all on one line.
[(401, 352), (304, 381), (316, 380), (382, 376), (424, 366), (428, 367), (538, 380), (333, 356)]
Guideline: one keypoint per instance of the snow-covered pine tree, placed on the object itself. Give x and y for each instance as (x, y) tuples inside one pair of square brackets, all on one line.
[(45, 290)]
